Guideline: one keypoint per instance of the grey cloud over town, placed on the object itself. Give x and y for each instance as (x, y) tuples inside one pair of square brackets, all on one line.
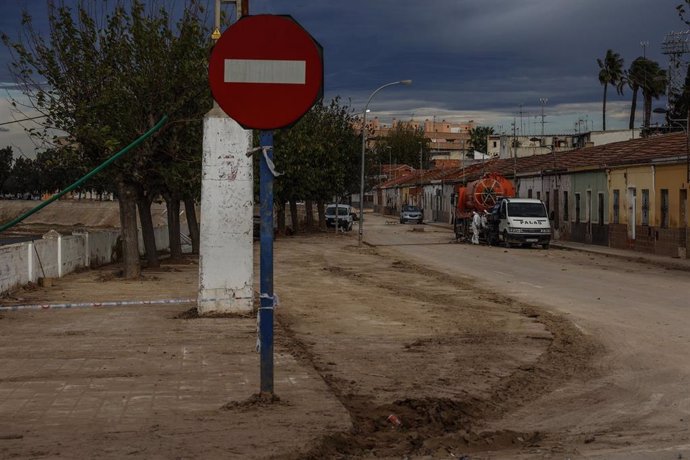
[(487, 59)]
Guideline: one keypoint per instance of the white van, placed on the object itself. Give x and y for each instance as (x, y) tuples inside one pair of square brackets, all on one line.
[(345, 216), (523, 221)]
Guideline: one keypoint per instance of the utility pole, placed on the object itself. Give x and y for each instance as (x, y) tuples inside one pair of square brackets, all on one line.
[(542, 101), (421, 206), (514, 151)]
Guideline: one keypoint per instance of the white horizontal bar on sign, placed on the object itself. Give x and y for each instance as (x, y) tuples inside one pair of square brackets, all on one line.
[(265, 71)]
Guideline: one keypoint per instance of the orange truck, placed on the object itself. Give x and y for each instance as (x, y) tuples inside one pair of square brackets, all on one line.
[(480, 195)]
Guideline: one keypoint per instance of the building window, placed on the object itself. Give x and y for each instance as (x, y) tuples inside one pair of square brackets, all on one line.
[(600, 209), (577, 208), (529, 193), (538, 195), (616, 206), (565, 206), (664, 208), (494, 144), (645, 206)]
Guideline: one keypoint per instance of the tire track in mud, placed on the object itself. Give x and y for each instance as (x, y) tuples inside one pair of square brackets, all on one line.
[(443, 426)]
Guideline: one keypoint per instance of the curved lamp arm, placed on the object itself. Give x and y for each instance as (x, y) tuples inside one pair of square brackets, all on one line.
[(364, 144)]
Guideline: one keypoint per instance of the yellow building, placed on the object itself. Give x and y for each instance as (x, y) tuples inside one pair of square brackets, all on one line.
[(648, 207)]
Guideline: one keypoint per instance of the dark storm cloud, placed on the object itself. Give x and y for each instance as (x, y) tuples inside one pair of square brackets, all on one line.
[(463, 55), (478, 54)]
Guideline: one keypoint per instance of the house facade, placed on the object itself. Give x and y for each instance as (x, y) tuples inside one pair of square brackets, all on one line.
[(649, 208), (631, 194)]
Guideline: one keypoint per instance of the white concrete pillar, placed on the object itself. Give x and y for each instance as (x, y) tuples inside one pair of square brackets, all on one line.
[(30, 260), (59, 255), (226, 265), (87, 250)]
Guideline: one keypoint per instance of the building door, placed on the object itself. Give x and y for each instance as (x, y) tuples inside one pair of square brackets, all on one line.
[(438, 206), (556, 210), (588, 213), (632, 210)]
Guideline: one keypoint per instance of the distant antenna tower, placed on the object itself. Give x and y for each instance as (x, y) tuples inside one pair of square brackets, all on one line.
[(675, 46)]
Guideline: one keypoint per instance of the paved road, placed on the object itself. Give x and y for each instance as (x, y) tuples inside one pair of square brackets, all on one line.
[(639, 312)]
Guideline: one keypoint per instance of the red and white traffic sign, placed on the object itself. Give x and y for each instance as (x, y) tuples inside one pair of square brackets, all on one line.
[(266, 71)]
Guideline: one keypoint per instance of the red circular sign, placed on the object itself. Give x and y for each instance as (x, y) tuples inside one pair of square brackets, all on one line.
[(266, 71)]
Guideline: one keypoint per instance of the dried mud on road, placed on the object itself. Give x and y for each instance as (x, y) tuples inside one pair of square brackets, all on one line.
[(445, 358), (381, 335)]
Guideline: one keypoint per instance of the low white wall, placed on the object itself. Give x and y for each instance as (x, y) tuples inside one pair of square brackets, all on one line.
[(102, 247), (57, 255), (44, 259), (13, 266)]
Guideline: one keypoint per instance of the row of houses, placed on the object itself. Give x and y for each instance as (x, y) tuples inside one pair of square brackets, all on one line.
[(631, 194)]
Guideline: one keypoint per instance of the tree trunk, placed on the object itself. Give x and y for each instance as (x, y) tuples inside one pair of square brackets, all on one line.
[(603, 115), (309, 218), (281, 219), (321, 211), (192, 224), (147, 233), (294, 217), (633, 108), (647, 97), (172, 202), (127, 196)]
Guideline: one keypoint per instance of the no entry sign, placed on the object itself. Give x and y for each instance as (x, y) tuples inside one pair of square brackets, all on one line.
[(266, 71)]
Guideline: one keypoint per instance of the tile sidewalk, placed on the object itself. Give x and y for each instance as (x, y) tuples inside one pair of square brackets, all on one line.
[(140, 382)]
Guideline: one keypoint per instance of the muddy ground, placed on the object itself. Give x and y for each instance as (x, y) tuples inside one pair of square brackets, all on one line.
[(445, 357), (371, 335)]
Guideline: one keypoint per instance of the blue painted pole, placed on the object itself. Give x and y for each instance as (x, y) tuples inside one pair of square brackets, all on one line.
[(266, 264)]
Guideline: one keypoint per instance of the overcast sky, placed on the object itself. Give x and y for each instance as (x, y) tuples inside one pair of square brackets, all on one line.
[(469, 59)]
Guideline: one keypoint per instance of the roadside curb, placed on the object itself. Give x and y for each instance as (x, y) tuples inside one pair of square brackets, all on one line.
[(631, 256), (659, 261)]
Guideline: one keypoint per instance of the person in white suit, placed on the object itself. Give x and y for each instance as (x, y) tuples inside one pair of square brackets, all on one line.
[(476, 225)]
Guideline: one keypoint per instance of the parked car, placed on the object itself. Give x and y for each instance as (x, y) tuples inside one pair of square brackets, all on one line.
[(345, 216), (411, 213)]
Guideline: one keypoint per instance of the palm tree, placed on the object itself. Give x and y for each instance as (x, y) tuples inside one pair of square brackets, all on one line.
[(646, 75), (610, 73), (653, 89), (635, 77)]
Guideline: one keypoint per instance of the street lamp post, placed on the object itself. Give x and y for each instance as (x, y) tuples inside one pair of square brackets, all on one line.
[(364, 145)]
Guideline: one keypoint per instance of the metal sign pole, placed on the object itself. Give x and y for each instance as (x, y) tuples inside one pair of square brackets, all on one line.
[(266, 262)]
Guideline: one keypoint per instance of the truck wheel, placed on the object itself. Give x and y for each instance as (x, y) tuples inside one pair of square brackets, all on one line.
[(349, 226), (505, 239), (545, 245)]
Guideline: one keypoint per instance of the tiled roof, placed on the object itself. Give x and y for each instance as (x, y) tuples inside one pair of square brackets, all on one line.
[(636, 151)]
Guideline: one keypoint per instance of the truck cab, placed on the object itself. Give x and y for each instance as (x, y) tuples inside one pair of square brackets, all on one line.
[(523, 221)]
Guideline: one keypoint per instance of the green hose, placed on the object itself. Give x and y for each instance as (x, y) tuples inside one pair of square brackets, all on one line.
[(88, 176)]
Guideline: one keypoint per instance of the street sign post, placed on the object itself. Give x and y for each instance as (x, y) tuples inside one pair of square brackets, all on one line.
[(266, 72)]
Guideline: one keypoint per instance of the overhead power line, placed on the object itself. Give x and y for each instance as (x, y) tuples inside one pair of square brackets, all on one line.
[(23, 119)]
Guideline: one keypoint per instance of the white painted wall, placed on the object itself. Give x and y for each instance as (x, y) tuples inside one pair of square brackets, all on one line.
[(74, 252), (226, 266), (55, 256), (102, 247), (46, 250), (13, 266)]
